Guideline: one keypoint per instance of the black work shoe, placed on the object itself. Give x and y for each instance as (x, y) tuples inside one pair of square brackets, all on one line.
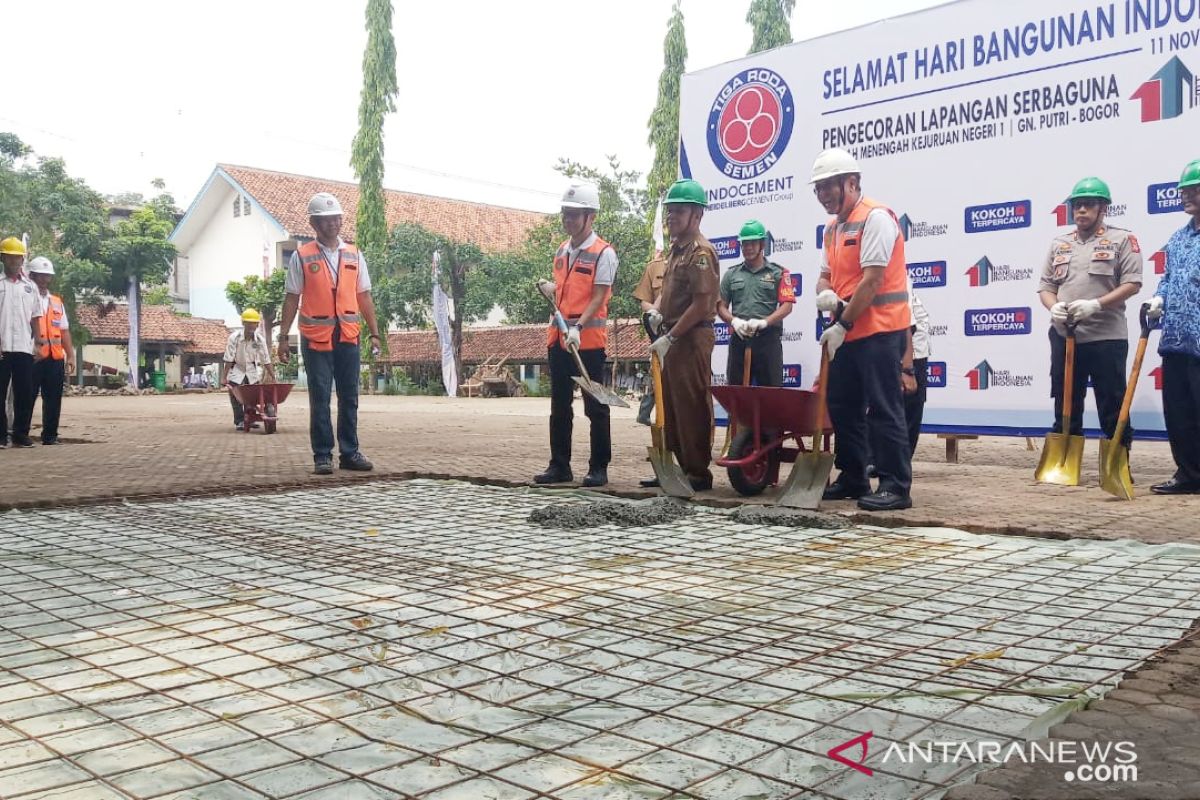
[(53, 440), (237, 426), (22, 441), (323, 466), (4, 443), (1175, 486), (700, 484), (838, 490), (552, 475), (884, 501), (649, 483), (356, 462), (596, 477)]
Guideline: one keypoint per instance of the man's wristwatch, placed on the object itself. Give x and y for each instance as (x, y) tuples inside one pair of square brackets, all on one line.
[(908, 371)]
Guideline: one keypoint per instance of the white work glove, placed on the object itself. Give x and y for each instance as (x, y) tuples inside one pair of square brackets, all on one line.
[(827, 301), (654, 318), (573, 337), (1082, 309), (832, 339), (661, 345), (1156, 308), (739, 327), (755, 325), (547, 288), (1059, 312)]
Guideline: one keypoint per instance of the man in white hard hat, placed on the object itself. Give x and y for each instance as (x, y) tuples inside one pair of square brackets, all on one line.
[(247, 360), (863, 273), (328, 283), (585, 267), (56, 356), (20, 317)]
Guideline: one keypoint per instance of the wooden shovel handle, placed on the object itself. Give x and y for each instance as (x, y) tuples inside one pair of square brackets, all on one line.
[(1131, 387), (1068, 387), (656, 376)]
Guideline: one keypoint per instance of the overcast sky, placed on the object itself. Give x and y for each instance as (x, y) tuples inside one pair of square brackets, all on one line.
[(491, 93)]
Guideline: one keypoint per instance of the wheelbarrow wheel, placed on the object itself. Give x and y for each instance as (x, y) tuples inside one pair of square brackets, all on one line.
[(752, 480)]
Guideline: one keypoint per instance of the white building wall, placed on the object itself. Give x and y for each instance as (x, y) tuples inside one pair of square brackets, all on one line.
[(228, 248)]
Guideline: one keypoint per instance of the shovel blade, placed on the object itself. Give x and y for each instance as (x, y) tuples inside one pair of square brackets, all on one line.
[(601, 394), (1115, 477), (1062, 460), (670, 477), (806, 483)]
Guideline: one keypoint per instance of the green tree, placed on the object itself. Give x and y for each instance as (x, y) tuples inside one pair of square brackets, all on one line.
[(266, 296), (378, 98), (404, 291), (771, 21), (664, 120)]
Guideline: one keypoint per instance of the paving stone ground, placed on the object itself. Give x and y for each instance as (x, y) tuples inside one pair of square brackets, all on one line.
[(184, 445)]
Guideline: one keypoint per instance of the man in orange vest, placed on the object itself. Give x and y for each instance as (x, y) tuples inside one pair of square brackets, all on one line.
[(863, 273), (328, 283), (56, 356), (584, 269)]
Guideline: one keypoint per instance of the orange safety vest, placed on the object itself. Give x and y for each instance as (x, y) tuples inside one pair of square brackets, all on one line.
[(51, 326), (889, 309), (324, 306), (574, 291)]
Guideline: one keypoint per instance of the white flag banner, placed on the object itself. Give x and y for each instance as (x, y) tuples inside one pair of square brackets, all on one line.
[(441, 321), (134, 371), (659, 245)]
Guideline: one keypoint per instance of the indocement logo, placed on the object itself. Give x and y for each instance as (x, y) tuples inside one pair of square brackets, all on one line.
[(998, 321), (750, 123), (983, 273), (927, 274), (1163, 198), (997, 216), (984, 376)]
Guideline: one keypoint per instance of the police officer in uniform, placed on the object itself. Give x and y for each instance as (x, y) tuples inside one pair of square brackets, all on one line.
[(755, 297), (863, 272), (1088, 275), (684, 314)]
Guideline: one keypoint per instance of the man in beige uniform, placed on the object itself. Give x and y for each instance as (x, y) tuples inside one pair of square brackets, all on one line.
[(646, 293), (1088, 275), (687, 305)]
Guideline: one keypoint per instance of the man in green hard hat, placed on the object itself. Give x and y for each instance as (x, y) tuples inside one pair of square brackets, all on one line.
[(685, 311), (1088, 275), (755, 297), (1179, 345)]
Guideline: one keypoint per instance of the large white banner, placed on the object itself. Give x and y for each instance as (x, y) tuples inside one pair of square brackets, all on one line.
[(972, 121)]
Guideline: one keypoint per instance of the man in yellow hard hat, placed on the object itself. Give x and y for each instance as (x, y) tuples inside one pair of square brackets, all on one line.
[(247, 360), (20, 315)]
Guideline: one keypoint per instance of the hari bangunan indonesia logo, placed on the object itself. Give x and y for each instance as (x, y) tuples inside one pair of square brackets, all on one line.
[(750, 123)]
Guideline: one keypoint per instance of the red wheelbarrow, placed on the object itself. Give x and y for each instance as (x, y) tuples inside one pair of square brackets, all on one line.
[(766, 417), (260, 402)]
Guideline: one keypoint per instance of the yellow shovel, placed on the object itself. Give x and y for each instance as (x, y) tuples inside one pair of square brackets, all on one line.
[(1114, 458), (1062, 453), (729, 429), (671, 478)]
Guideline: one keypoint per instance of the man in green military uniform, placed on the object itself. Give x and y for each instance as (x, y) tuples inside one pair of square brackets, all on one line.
[(755, 297), (1088, 275), (687, 305)]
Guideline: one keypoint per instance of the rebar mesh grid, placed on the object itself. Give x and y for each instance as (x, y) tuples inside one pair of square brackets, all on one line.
[(422, 640)]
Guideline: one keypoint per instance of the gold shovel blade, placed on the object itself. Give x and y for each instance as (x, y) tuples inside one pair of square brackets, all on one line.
[(670, 477), (1115, 477), (806, 483), (1062, 460)]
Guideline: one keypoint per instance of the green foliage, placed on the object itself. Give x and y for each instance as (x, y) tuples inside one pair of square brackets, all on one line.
[(157, 295), (264, 295), (621, 221), (378, 99), (771, 22), (664, 120), (140, 249)]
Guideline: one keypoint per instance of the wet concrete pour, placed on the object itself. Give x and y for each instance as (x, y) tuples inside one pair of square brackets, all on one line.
[(425, 639)]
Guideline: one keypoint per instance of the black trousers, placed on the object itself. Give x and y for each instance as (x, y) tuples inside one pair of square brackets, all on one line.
[(1181, 407), (1104, 363), (49, 377), (866, 407), (16, 369), (562, 413), (766, 360)]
